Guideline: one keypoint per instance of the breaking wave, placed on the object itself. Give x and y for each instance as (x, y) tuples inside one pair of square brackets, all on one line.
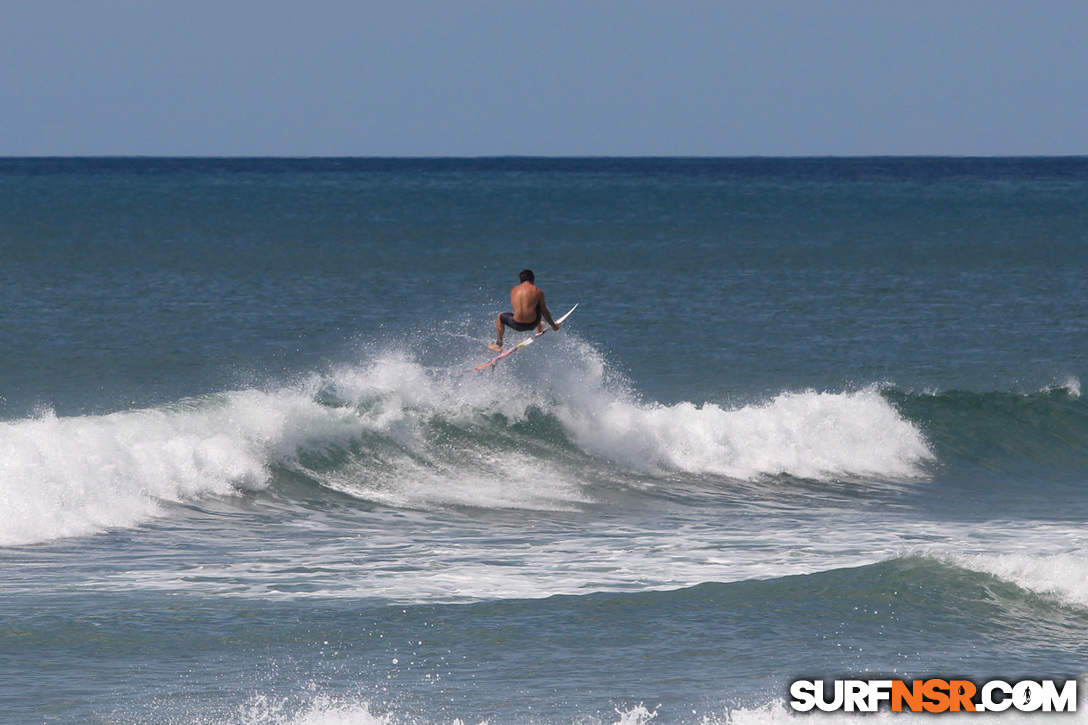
[(397, 432)]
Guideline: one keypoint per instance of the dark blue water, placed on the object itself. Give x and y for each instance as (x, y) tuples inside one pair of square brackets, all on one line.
[(812, 417)]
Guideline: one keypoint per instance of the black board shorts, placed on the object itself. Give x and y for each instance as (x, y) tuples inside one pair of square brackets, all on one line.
[(507, 319)]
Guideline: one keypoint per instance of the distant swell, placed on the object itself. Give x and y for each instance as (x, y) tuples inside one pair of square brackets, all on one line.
[(1044, 432)]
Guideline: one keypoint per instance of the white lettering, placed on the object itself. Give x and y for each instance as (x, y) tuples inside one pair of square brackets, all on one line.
[(804, 695), (1066, 701), (1027, 696), (879, 691), (856, 695), (994, 696), (988, 698), (822, 702)]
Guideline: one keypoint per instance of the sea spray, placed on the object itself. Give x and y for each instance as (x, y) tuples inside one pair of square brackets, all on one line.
[(75, 476), (1059, 576), (395, 432), (807, 435)]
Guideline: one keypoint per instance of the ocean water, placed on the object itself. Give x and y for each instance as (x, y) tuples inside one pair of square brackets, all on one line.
[(813, 418)]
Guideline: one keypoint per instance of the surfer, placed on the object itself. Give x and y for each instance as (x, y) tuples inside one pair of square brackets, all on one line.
[(530, 311)]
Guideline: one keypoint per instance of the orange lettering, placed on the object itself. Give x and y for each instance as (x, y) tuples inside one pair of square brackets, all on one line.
[(913, 696), (961, 692), (935, 691)]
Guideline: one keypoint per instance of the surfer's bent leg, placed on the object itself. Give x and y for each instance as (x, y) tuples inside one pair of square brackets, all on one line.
[(497, 347), (507, 319)]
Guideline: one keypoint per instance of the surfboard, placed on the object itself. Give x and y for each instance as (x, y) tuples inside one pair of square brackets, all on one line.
[(524, 343)]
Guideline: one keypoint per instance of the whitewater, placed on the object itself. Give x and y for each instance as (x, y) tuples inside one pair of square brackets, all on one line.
[(380, 432), (813, 418), (559, 435)]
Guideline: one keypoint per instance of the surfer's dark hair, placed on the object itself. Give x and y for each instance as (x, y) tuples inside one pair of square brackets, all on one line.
[(526, 275)]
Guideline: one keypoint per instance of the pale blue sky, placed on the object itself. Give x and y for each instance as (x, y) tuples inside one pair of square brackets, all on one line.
[(543, 78)]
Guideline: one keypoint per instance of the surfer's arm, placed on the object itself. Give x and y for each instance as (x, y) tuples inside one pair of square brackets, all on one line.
[(546, 313)]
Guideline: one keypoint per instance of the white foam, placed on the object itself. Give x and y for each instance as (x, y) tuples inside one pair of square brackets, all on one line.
[(807, 434), (1071, 386), (1061, 576), (62, 477), (1049, 558), (810, 435), (397, 397), (322, 710), (480, 479)]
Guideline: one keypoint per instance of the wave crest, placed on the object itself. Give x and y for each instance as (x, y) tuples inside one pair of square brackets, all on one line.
[(396, 432), (807, 435)]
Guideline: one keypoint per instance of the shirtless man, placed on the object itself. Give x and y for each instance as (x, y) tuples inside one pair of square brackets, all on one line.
[(529, 308)]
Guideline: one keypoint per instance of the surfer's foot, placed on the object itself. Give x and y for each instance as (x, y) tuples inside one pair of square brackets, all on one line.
[(495, 347)]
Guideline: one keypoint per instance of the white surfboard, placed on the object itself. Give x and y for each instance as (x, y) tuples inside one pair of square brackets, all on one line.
[(524, 343)]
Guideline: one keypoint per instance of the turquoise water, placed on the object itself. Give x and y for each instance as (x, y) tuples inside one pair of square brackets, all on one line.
[(812, 418)]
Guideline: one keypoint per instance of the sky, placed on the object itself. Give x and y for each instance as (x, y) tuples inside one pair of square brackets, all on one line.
[(543, 78)]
